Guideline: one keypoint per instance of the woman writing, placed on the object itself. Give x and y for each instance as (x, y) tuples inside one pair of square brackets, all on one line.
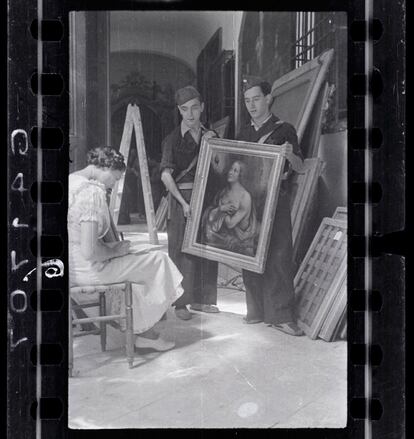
[(231, 223), (94, 262)]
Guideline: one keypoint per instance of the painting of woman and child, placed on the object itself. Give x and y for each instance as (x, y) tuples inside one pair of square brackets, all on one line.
[(233, 208)]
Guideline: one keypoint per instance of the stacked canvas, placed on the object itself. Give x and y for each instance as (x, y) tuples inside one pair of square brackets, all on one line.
[(304, 186), (335, 324), (320, 283), (341, 213), (335, 316)]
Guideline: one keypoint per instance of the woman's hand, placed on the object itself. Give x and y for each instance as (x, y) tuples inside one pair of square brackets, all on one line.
[(94, 249), (186, 209), (122, 248), (112, 244), (229, 208)]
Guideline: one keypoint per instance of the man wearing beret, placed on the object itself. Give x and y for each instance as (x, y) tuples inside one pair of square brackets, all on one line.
[(270, 296), (179, 161)]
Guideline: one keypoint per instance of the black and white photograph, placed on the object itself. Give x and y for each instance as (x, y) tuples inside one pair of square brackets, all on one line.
[(207, 219)]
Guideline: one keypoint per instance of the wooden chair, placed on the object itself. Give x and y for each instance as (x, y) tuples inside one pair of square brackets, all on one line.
[(102, 319)]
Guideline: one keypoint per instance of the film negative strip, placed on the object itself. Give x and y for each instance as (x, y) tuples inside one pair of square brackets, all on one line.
[(51, 125)]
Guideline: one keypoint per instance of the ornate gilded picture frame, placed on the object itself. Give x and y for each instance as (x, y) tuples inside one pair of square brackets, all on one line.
[(233, 202)]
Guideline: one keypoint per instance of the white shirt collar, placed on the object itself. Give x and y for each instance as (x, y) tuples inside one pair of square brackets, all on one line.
[(185, 128), (256, 126)]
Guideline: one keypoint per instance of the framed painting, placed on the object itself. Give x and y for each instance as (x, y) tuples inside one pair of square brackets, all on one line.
[(296, 92), (233, 202)]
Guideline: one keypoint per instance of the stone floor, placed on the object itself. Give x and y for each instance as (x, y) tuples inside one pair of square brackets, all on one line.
[(222, 373)]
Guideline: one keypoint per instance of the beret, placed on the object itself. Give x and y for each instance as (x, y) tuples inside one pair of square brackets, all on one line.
[(255, 81), (185, 94)]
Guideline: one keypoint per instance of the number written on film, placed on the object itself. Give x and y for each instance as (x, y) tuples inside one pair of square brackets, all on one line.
[(17, 298)]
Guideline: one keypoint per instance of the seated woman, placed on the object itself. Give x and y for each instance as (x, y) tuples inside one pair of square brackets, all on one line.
[(93, 261), (231, 222)]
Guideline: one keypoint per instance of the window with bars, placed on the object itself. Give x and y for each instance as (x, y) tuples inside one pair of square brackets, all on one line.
[(315, 33), (305, 38)]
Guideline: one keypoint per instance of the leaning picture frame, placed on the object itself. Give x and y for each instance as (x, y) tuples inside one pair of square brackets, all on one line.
[(221, 127), (295, 93), (243, 174)]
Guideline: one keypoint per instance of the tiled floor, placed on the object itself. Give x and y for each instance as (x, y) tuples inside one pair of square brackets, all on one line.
[(222, 373)]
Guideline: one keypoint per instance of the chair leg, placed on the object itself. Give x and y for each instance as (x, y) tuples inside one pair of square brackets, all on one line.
[(129, 325), (70, 339), (79, 313), (102, 325)]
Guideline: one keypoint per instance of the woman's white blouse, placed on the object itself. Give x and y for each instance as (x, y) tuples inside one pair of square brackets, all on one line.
[(87, 202)]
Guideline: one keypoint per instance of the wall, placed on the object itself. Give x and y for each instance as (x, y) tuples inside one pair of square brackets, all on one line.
[(333, 151), (231, 23), (89, 86), (182, 34), (162, 69)]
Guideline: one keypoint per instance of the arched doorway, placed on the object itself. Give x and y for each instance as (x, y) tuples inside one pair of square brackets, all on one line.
[(149, 80)]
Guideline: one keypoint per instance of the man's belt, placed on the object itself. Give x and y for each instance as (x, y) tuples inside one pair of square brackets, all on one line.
[(185, 185)]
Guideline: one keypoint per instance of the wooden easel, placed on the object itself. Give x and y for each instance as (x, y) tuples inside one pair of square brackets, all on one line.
[(133, 122)]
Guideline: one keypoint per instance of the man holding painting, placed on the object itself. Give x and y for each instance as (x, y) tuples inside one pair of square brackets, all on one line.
[(178, 167), (270, 296)]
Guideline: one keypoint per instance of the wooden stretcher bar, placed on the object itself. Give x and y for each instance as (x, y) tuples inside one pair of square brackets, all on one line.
[(321, 275), (335, 315)]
